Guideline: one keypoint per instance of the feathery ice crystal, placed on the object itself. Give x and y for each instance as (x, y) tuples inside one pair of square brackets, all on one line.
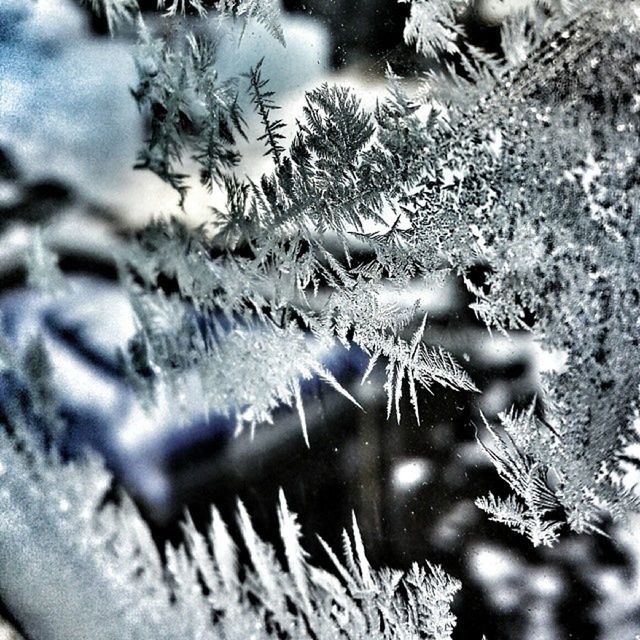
[(526, 163)]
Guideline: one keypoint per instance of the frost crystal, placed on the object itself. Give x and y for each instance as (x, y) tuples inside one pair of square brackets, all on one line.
[(527, 164), (115, 12), (500, 162), (432, 26), (43, 272), (265, 12), (97, 573)]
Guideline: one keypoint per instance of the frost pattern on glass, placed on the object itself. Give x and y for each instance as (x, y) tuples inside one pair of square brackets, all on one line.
[(97, 572), (528, 165), (500, 161), (265, 12), (115, 12)]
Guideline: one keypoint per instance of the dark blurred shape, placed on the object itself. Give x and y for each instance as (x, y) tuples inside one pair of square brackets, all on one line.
[(42, 201), (361, 29), (8, 169)]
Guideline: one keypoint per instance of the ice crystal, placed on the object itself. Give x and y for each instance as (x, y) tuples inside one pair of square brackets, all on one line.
[(498, 160), (262, 99), (560, 241), (173, 7), (265, 12), (527, 163), (91, 559), (529, 479), (243, 371), (43, 272), (336, 177), (115, 12), (189, 108), (432, 26)]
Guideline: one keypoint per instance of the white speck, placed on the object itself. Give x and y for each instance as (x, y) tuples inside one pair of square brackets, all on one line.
[(410, 472)]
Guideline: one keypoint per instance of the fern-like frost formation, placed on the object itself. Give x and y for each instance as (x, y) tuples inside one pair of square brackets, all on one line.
[(526, 163)]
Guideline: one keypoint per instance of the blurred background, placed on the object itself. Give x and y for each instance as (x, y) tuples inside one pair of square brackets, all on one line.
[(69, 136)]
